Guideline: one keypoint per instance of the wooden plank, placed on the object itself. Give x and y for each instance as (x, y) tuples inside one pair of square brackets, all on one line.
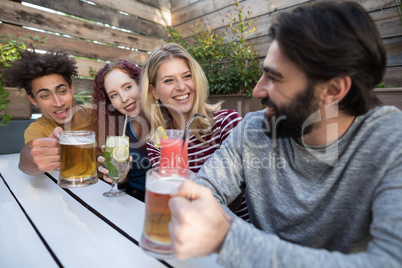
[(393, 47), (384, 14), (199, 9), (136, 8), (388, 22), (261, 45), (18, 237), (161, 4), (190, 10), (16, 13), (86, 66), (390, 96), (178, 4), (391, 100), (105, 15), (391, 90), (214, 20), (374, 5), (393, 76), (77, 47)]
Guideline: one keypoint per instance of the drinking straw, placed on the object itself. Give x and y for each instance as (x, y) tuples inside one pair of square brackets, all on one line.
[(188, 125), (124, 127)]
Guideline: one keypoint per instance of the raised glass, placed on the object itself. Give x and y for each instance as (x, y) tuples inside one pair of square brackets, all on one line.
[(77, 159), (160, 184), (173, 148), (117, 153)]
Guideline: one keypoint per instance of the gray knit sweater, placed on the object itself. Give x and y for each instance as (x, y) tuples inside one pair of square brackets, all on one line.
[(338, 205)]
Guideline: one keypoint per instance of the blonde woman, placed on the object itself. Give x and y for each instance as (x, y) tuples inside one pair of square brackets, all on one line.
[(173, 88)]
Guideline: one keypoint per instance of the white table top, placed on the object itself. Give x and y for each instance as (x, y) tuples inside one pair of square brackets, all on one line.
[(80, 226)]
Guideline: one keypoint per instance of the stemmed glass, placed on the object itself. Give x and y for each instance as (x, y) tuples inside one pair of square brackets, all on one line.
[(117, 154)]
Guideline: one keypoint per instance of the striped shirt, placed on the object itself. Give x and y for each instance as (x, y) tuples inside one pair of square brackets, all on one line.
[(199, 152)]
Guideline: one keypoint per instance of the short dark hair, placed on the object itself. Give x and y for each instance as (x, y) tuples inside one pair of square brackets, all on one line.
[(33, 65), (328, 39)]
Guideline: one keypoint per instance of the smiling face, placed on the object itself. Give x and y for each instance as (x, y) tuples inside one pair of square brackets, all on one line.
[(174, 87), (123, 92), (288, 95), (54, 98)]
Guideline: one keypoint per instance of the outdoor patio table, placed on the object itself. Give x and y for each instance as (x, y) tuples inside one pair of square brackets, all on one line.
[(43, 225)]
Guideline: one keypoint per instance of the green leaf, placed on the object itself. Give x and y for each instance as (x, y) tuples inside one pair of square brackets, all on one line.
[(4, 95), (107, 157), (6, 119), (3, 107), (112, 169)]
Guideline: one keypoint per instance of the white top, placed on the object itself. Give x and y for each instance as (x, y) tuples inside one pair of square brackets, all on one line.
[(74, 233)]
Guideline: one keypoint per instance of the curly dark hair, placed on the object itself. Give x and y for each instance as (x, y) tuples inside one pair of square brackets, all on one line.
[(105, 118), (33, 65), (335, 38)]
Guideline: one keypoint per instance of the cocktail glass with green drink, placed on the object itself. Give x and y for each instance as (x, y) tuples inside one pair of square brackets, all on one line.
[(117, 153)]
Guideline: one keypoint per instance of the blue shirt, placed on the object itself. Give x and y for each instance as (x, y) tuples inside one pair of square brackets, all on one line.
[(140, 163)]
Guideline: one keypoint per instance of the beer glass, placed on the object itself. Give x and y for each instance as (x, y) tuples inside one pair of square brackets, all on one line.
[(77, 159), (160, 184)]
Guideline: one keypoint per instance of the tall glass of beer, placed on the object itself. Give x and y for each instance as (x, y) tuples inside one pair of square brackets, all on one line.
[(160, 184), (77, 159)]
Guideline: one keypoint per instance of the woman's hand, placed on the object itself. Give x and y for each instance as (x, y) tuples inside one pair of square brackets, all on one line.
[(105, 171)]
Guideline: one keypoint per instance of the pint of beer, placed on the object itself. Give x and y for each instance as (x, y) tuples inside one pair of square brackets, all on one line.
[(77, 159), (160, 184)]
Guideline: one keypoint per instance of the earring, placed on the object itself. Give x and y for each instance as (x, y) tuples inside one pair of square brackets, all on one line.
[(157, 101)]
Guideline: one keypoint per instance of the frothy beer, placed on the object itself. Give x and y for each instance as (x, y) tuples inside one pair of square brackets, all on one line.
[(157, 213), (77, 163)]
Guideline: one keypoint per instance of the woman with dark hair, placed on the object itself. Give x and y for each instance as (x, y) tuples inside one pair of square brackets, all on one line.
[(117, 94)]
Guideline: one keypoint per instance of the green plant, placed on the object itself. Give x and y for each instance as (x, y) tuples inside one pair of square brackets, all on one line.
[(229, 62), (10, 48), (92, 72), (84, 97), (382, 85)]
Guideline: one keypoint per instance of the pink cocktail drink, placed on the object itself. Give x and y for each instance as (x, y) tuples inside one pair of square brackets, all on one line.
[(173, 149), (174, 153)]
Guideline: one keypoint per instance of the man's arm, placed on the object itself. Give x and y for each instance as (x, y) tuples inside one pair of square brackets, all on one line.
[(41, 155), (198, 225)]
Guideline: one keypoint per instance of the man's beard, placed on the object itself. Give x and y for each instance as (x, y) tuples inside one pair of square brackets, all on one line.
[(288, 121)]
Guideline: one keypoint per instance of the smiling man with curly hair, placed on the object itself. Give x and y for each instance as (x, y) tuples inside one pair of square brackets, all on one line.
[(47, 79)]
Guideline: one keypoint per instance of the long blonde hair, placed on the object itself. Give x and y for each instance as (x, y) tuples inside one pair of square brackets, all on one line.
[(158, 114)]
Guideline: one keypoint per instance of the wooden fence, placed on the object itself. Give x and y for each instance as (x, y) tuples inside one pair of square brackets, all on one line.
[(98, 31), (93, 32), (186, 12)]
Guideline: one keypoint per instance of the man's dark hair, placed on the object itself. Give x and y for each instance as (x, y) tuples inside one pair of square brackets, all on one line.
[(33, 65), (329, 39)]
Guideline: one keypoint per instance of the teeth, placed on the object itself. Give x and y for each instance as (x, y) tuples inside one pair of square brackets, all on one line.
[(183, 97), (130, 106), (59, 112)]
